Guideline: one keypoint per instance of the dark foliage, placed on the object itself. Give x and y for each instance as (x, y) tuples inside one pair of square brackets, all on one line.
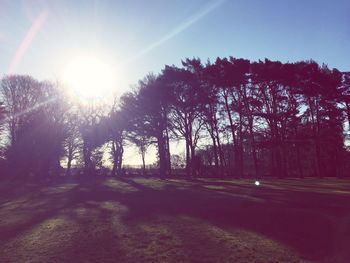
[(235, 117)]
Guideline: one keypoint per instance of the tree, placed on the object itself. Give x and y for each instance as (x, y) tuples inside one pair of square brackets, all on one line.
[(235, 116), (344, 98), (2, 119), (319, 88), (2, 122), (227, 77), (147, 110), (73, 141), (185, 105), (116, 125), (177, 161), (35, 124), (266, 75), (93, 134), (142, 142)]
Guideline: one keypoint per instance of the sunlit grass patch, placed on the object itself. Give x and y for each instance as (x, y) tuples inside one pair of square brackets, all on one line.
[(217, 187), (14, 204), (39, 242), (114, 207), (190, 239), (120, 186), (58, 189), (251, 246), (181, 183), (153, 183)]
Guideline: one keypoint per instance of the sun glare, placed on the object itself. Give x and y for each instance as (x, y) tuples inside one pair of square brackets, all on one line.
[(89, 79)]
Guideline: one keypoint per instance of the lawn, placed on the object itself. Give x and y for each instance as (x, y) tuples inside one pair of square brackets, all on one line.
[(176, 220)]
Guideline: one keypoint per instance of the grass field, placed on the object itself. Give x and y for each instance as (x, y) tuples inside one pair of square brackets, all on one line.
[(176, 220)]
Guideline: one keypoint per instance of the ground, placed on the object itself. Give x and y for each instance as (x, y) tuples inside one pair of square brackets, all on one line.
[(175, 220)]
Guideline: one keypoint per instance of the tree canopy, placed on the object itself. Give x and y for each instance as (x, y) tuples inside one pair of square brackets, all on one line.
[(235, 117)]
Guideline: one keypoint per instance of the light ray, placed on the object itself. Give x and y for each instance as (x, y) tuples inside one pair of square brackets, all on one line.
[(182, 27), (36, 25), (28, 110)]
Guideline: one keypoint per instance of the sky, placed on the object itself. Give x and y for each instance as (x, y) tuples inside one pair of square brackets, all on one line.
[(40, 38)]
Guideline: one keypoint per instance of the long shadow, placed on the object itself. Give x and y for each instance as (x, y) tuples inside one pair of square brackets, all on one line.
[(327, 203), (51, 206), (311, 233), (280, 215), (55, 205)]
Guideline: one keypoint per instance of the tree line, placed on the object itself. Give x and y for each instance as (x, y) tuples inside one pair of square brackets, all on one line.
[(236, 118)]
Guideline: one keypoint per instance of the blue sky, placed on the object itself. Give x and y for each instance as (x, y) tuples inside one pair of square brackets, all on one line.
[(142, 36)]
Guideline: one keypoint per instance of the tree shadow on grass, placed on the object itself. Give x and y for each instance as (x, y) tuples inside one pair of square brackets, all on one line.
[(311, 223), (297, 220)]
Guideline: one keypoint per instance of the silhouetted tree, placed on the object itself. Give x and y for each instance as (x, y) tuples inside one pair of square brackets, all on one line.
[(211, 107), (73, 141), (177, 161), (275, 110), (116, 124), (345, 96), (35, 123), (93, 134), (320, 92), (142, 142), (236, 117), (227, 77), (2, 128), (185, 105), (147, 109)]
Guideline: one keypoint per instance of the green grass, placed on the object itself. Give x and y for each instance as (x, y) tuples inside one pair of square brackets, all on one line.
[(176, 220)]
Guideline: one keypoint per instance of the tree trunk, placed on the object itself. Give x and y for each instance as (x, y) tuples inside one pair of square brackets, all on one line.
[(348, 114), (235, 146), (240, 147), (216, 159), (318, 158), (253, 148), (143, 162), (220, 152), (193, 166), (69, 165), (162, 155), (300, 170), (318, 146), (88, 166), (250, 118), (69, 161), (168, 153), (114, 168)]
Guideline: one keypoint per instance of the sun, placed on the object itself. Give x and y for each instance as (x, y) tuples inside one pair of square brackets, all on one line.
[(89, 78)]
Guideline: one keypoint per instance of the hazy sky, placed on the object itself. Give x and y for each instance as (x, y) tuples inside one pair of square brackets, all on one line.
[(40, 37)]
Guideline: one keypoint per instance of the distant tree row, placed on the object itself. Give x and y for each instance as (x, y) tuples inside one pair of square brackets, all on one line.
[(236, 118)]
